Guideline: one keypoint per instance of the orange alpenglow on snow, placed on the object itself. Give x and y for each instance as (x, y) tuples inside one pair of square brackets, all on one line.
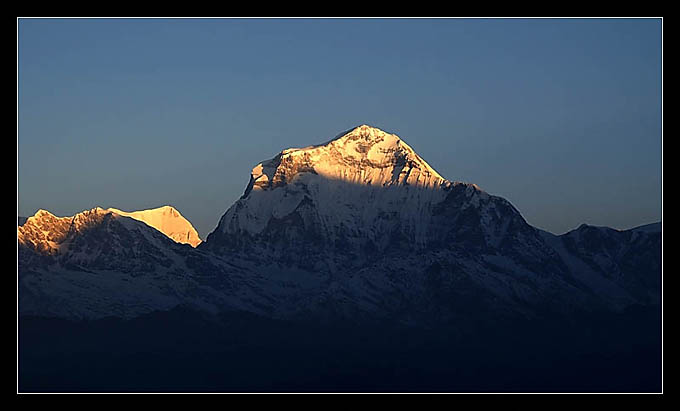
[(168, 221)]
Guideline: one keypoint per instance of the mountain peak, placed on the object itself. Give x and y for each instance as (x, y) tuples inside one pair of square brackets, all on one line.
[(364, 189), (364, 155), (369, 133), (40, 213), (363, 138), (167, 220)]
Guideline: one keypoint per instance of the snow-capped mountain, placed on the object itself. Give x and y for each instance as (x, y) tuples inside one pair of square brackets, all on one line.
[(364, 192), (373, 220), (99, 263), (168, 221), (360, 226), (617, 260)]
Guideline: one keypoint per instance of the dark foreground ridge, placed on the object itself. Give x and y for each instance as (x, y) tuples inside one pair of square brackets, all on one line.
[(188, 351)]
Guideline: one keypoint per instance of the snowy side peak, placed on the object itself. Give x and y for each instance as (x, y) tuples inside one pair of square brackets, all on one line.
[(365, 155), (168, 221), (46, 232)]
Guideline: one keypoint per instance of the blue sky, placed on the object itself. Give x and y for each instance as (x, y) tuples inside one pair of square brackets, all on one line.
[(561, 117)]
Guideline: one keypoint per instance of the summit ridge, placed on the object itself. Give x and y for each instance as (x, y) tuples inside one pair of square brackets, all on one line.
[(365, 155)]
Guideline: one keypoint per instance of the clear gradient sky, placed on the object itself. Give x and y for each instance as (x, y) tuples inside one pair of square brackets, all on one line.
[(560, 117)]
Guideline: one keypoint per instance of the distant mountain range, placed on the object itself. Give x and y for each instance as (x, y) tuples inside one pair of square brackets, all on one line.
[(360, 227), (346, 266)]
